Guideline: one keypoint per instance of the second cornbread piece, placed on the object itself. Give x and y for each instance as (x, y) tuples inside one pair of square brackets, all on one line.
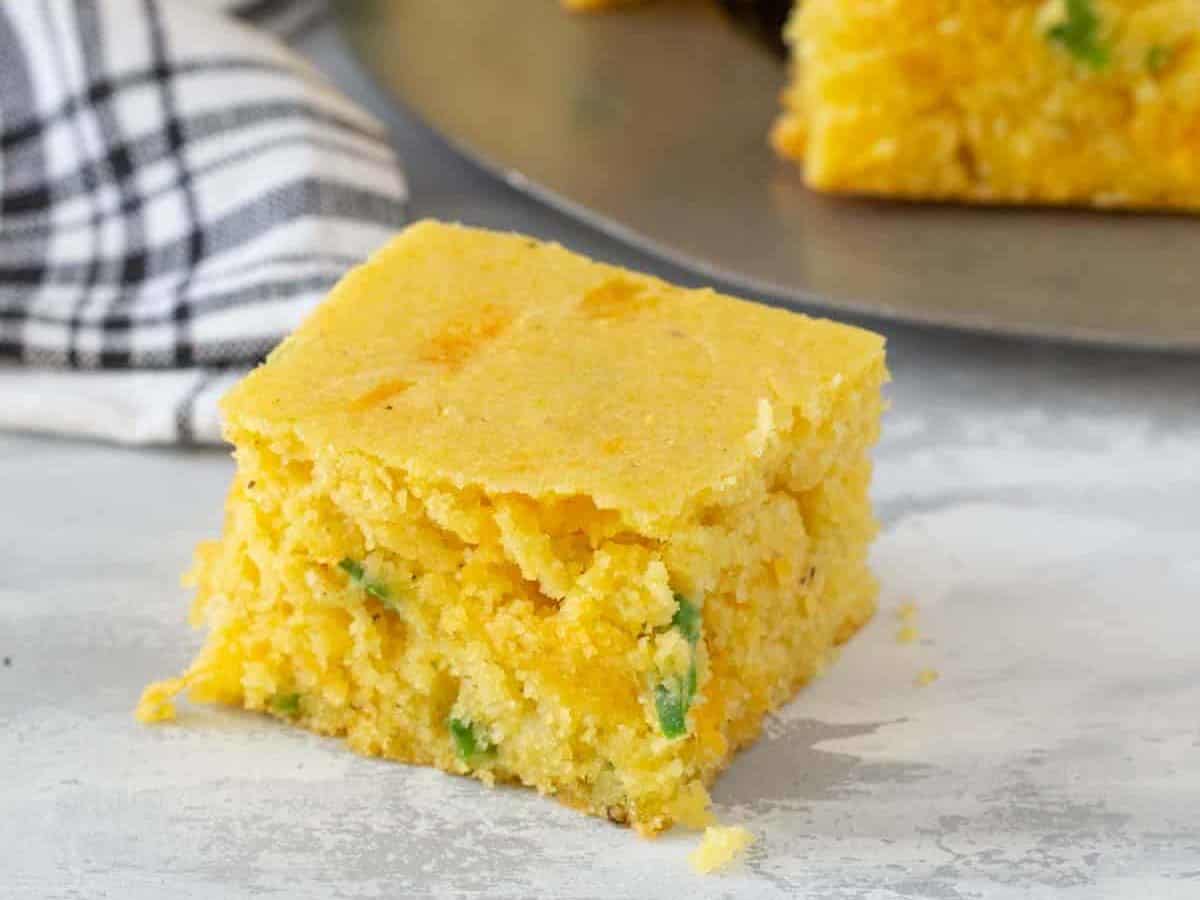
[(515, 514), (1024, 101)]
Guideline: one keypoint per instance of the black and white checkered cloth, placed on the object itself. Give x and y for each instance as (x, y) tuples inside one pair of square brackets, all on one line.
[(177, 189)]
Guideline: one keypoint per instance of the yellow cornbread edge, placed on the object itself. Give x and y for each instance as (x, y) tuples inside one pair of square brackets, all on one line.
[(206, 683)]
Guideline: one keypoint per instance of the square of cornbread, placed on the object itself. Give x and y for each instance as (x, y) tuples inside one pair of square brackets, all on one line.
[(1090, 102), (515, 514)]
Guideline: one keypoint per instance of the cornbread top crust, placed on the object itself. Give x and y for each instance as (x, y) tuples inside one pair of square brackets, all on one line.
[(492, 360)]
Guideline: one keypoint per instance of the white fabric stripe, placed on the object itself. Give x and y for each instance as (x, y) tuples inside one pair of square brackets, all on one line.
[(122, 407)]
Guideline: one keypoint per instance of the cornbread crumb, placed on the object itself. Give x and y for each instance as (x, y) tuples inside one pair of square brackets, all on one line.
[(926, 677), (155, 704), (907, 634), (906, 612), (719, 847)]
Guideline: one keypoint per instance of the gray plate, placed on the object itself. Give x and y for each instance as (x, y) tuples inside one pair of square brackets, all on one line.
[(651, 125)]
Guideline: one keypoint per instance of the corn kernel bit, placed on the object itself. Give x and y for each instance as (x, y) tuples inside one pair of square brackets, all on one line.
[(926, 677), (719, 847)]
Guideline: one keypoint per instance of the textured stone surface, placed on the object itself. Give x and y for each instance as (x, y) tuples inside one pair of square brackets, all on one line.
[(1039, 505)]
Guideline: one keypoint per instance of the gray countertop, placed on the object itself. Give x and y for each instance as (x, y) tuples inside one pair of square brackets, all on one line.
[(1038, 504)]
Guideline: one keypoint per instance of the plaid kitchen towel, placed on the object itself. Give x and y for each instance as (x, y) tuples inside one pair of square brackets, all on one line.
[(177, 189)]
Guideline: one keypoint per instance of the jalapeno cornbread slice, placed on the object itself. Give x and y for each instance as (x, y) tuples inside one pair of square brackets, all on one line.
[(1093, 102), (518, 515)]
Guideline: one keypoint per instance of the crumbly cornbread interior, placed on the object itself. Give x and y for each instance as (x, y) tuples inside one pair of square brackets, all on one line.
[(1066, 101), (517, 515)]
